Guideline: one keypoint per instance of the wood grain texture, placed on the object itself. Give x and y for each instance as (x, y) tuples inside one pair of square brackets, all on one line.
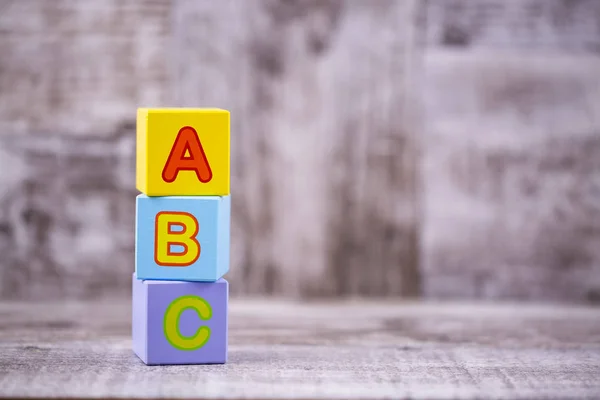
[(348, 350), (323, 185), (512, 149)]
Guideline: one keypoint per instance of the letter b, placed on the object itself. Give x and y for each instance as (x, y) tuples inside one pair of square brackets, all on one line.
[(167, 237), (182, 238)]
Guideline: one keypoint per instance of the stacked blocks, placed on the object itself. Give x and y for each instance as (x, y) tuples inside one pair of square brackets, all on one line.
[(181, 236)]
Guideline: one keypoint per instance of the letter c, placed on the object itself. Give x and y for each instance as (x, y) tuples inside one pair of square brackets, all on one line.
[(171, 322)]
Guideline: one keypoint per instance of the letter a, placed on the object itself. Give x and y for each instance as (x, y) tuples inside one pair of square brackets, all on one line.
[(187, 154)]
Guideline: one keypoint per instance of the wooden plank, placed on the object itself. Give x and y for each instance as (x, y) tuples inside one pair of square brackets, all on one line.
[(512, 152), (323, 161), (278, 349)]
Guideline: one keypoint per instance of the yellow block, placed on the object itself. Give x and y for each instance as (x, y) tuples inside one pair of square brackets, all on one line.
[(182, 151)]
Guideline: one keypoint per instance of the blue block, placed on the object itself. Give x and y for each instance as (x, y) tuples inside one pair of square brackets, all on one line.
[(176, 322), (164, 249)]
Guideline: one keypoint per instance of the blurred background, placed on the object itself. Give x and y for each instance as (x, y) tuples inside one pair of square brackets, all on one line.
[(418, 148)]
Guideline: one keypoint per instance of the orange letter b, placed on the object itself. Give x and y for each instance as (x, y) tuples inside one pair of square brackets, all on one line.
[(165, 237)]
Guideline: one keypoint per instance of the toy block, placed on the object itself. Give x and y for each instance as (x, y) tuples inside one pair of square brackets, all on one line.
[(182, 238), (182, 151), (177, 322)]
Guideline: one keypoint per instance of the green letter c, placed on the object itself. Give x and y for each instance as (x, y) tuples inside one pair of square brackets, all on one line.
[(171, 322)]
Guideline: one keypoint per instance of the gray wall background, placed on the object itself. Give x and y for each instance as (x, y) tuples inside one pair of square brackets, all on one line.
[(379, 148)]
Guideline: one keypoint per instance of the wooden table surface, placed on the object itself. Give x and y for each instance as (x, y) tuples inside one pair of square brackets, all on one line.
[(282, 349)]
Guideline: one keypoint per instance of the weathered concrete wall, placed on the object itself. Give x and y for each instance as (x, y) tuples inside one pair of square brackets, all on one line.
[(449, 148), (323, 181), (511, 169), (71, 76)]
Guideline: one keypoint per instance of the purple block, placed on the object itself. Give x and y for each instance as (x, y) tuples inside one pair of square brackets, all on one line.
[(176, 322)]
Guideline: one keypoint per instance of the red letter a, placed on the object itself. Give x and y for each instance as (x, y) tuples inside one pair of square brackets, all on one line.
[(187, 141)]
